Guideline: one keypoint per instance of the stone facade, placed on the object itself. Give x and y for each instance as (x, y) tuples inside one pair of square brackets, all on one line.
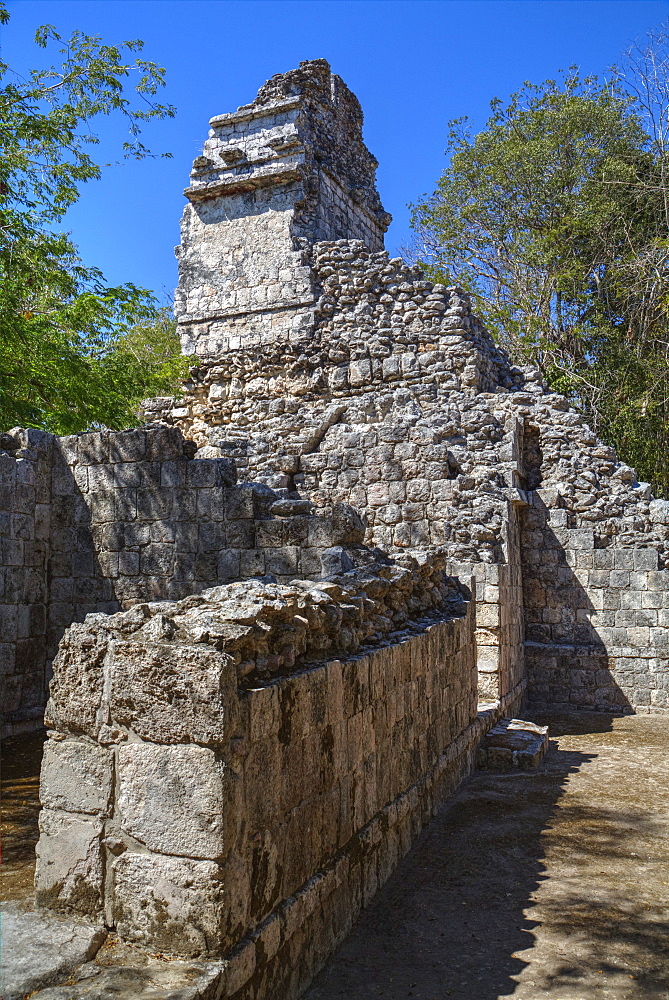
[(25, 496), (101, 521), (274, 177)]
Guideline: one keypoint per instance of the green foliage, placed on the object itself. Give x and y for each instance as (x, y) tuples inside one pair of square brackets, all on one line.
[(554, 219), (69, 345)]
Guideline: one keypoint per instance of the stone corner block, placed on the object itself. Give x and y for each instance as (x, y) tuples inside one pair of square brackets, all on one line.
[(69, 864), (172, 693), (76, 777), (175, 903)]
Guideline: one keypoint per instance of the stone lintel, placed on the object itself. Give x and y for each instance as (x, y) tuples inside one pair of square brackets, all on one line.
[(187, 319)]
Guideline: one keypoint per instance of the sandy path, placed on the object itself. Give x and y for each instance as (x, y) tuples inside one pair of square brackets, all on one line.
[(553, 884)]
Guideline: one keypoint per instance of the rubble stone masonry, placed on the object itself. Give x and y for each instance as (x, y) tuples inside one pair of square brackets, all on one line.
[(387, 393)]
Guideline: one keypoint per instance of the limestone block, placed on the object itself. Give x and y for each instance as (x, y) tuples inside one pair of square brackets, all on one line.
[(176, 799), (659, 511), (93, 448), (645, 559), (513, 743), (335, 560), (175, 903), (164, 444), (173, 694), (622, 558), (76, 776), (488, 615), (76, 688), (143, 977), (69, 865)]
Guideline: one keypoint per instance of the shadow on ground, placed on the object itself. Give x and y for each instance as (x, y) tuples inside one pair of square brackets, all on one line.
[(544, 884), (20, 762)]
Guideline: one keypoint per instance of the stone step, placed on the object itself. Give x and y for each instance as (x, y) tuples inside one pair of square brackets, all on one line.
[(513, 744)]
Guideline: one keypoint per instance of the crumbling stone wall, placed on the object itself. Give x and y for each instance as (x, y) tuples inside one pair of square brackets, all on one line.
[(274, 176), (208, 811), (232, 771), (100, 521), (373, 405)]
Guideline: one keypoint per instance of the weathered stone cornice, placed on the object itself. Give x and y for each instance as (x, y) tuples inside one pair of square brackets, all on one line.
[(242, 182)]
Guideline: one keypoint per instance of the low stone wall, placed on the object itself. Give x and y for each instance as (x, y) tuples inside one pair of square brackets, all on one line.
[(251, 823)]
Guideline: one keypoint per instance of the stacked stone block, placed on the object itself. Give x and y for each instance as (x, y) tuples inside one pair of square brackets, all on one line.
[(251, 823), (274, 176), (597, 620), (390, 395)]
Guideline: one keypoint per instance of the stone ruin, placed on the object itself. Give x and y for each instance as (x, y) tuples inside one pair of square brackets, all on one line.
[(288, 607)]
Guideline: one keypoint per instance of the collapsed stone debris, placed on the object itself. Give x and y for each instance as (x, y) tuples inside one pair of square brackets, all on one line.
[(272, 610)]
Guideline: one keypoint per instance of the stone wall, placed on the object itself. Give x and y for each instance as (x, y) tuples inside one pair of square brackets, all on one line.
[(597, 619), (252, 822), (274, 176), (233, 770), (25, 506), (333, 374), (100, 521), (500, 616)]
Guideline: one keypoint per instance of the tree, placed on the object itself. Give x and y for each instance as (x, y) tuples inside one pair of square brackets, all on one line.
[(68, 356), (553, 217)]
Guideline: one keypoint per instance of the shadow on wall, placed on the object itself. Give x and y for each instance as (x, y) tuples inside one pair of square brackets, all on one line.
[(131, 517), (455, 920), (568, 662)]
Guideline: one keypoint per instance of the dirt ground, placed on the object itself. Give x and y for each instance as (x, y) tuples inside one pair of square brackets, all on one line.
[(20, 760), (549, 884)]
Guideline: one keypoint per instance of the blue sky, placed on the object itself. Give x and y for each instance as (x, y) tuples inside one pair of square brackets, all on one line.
[(414, 65)]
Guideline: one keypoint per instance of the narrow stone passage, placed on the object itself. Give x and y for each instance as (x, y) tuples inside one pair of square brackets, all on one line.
[(551, 884), (20, 761)]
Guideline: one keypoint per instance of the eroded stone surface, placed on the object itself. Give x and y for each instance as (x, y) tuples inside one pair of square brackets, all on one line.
[(38, 948), (176, 904), (69, 864), (169, 695), (513, 744), (76, 776), (175, 799), (372, 407), (154, 980)]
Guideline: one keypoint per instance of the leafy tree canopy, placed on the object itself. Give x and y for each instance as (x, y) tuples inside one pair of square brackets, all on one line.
[(74, 353), (555, 219)]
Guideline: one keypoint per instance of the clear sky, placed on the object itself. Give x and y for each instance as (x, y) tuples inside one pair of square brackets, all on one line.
[(414, 65)]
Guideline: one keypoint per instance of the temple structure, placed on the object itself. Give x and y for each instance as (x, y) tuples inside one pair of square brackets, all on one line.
[(286, 610)]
